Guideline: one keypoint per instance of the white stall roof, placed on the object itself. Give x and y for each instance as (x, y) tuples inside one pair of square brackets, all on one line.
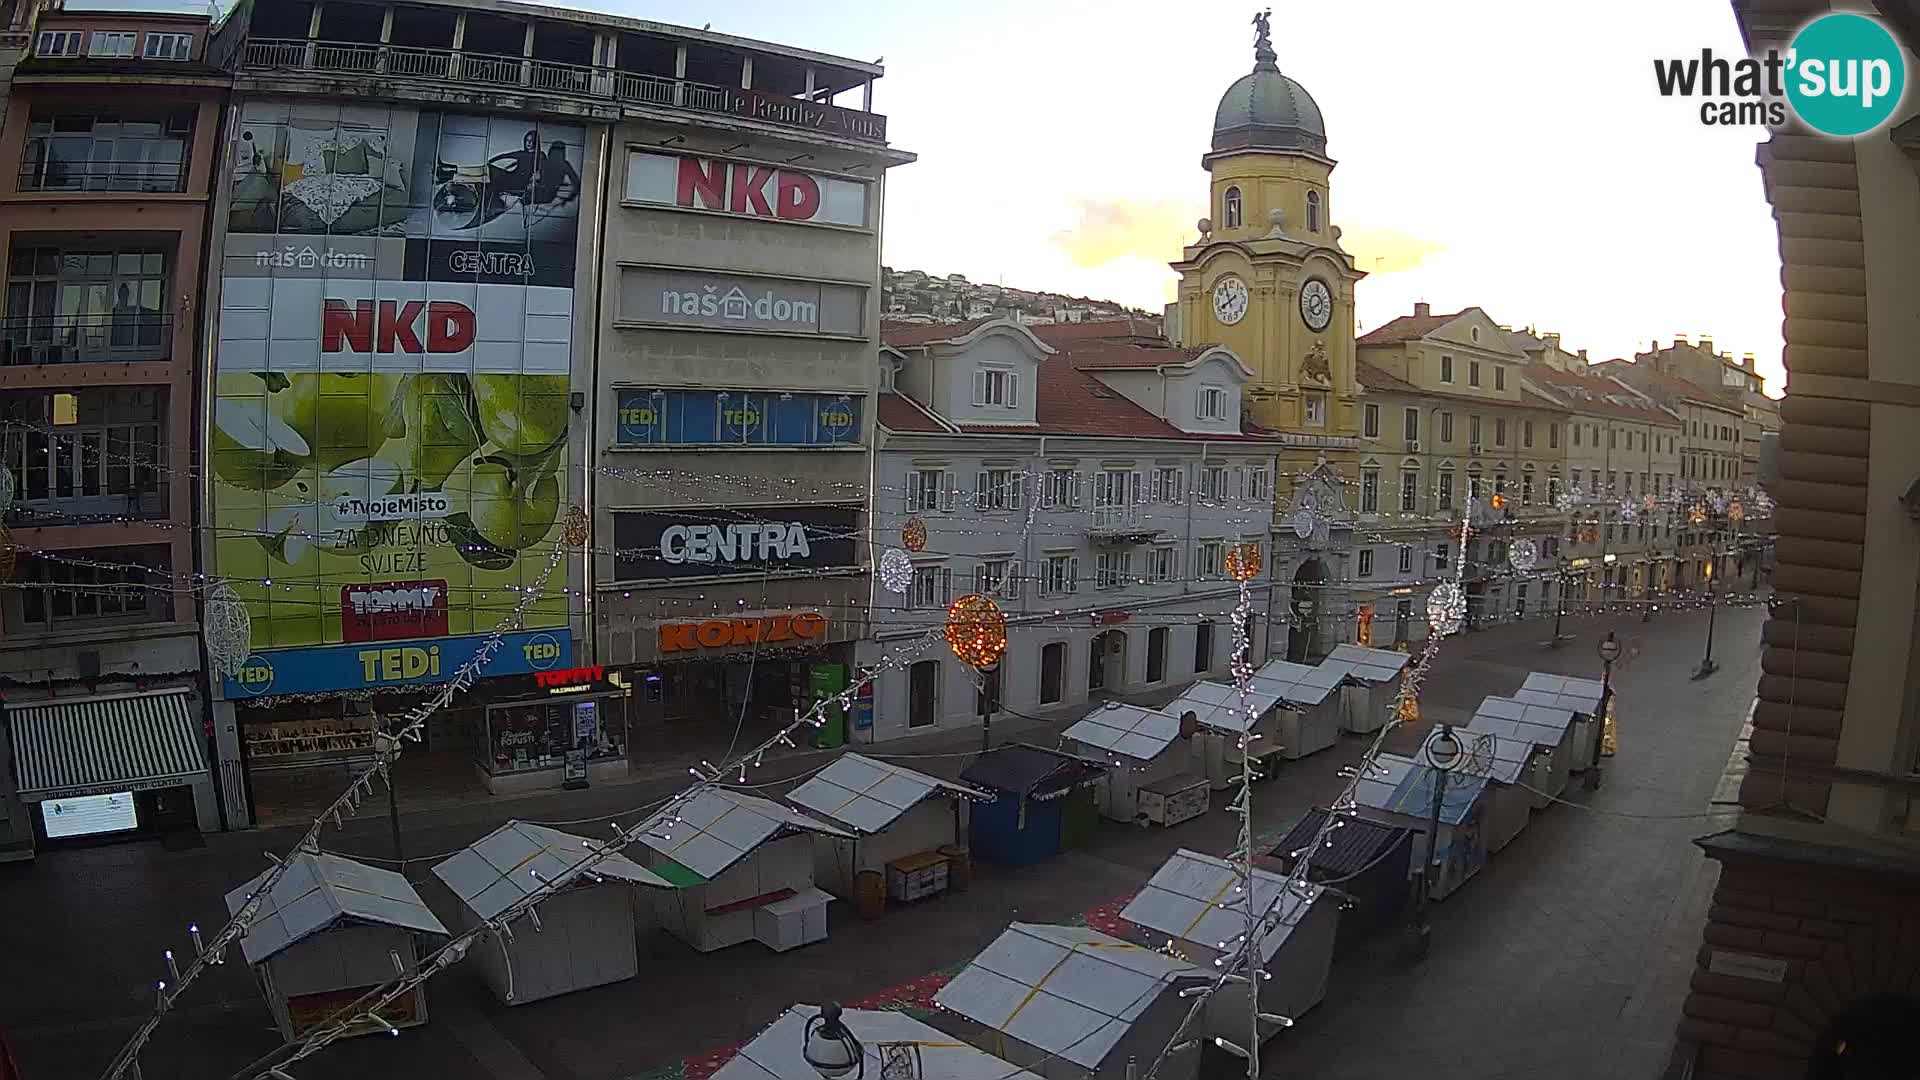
[(1562, 691), (869, 795), (1298, 684), (775, 1054), (1545, 725), (1182, 900), (319, 890), (513, 861), (719, 827), (1218, 705), (1500, 758), (1128, 730), (1403, 786), (1367, 665), (1070, 991)]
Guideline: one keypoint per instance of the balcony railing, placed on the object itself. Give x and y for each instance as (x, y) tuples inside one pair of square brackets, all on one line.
[(547, 76), (103, 339), (138, 176), (1117, 518)]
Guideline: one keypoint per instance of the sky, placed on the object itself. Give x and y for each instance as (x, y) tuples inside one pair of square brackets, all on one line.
[(1508, 154)]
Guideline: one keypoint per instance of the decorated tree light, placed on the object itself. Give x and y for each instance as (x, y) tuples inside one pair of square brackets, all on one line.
[(977, 631), (913, 535), (896, 571)]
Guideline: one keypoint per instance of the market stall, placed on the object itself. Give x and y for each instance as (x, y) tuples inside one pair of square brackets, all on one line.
[(1509, 764), (1582, 696), (1372, 680), (740, 869), (1150, 775), (1072, 1003), (1546, 726), (1309, 719), (582, 935), (893, 1046), (909, 831), (1222, 717), (1399, 792), (1183, 901), (1367, 861), (1045, 802), (327, 932)]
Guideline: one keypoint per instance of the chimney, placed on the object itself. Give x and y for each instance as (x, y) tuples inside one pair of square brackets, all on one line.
[(1678, 340), (1746, 361), (1422, 309), (1706, 345), (1553, 340), (1583, 356)]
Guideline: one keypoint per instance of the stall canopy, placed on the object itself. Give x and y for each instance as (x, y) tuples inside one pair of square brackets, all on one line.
[(1297, 684), (1218, 705), (1366, 665), (1541, 725), (718, 828), (1127, 730), (97, 746), (1068, 991), (776, 1053), (512, 862), (1346, 852), (1499, 757), (867, 795), (1182, 900), (1561, 692), (1030, 772), (1403, 786), (320, 891)]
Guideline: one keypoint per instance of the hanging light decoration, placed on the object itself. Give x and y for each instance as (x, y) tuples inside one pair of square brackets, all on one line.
[(1408, 710), (896, 571), (1523, 555), (1736, 513), (1498, 501), (913, 535), (1243, 561), (1566, 501), (229, 630), (1649, 503), (977, 631), (577, 532), (1697, 514), (6, 489), (1446, 608)]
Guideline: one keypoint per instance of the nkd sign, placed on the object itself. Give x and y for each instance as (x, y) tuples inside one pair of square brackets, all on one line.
[(722, 302), (705, 544), (737, 187)]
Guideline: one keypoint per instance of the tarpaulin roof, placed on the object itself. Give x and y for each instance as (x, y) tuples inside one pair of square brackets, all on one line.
[(777, 1052), (1298, 684), (319, 890), (1402, 786), (1182, 900), (869, 795), (1218, 705), (718, 828), (1366, 665), (520, 858), (1345, 851), (1128, 730), (1030, 772), (1561, 691)]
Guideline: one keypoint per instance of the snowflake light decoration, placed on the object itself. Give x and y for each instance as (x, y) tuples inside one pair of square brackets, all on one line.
[(1523, 555), (896, 571), (1446, 608)]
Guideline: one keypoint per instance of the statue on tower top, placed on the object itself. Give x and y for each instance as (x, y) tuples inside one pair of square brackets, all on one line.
[(1263, 54)]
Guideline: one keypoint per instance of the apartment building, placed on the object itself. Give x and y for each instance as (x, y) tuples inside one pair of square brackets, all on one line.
[(1092, 485), (111, 131)]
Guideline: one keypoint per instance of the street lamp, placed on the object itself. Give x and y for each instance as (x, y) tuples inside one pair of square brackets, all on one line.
[(1609, 650), (1707, 666), (1443, 753), (830, 1048)]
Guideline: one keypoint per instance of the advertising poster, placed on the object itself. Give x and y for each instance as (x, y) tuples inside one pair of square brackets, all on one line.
[(392, 385)]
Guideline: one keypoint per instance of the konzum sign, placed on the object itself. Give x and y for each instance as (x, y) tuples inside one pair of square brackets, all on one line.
[(728, 633), (746, 189)]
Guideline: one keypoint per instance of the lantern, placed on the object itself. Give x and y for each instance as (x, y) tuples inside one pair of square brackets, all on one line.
[(1243, 561), (1408, 710), (913, 535), (1499, 501), (977, 631), (1363, 630)]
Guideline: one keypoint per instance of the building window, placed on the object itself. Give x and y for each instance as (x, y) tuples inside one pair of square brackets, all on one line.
[(1366, 562), (1474, 487), (1499, 377), (1576, 434), (1313, 211), (1062, 489), (932, 587), (65, 306), (1553, 436), (1499, 431), (1526, 434), (60, 43), (1112, 569), (1553, 490), (1406, 558), (1473, 373), (655, 417), (1203, 646), (1446, 368), (1259, 483), (999, 489), (1473, 334), (1163, 564), (1526, 488), (1593, 482), (1369, 491), (1446, 489), (1212, 403), (112, 44), (1370, 421), (996, 386), (1473, 432), (1613, 438), (1410, 426), (168, 47), (1316, 408), (997, 577), (90, 587), (1213, 482), (1211, 556), (1231, 211), (929, 489), (923, 693), (1168, 485), (1157, 654), (87, 454), (1409, 490), (1059, 575), (1500, 481), (1576, 479), (1446, 427), (1053, 666)]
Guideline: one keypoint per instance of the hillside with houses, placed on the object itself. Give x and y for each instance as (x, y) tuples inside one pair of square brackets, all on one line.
[(917, 296)]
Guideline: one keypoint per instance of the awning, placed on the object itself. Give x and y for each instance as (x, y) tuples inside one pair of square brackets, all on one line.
[(122, 742)]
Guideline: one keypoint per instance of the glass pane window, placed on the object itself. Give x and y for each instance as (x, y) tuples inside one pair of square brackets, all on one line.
[(106, 151), (68, 306)]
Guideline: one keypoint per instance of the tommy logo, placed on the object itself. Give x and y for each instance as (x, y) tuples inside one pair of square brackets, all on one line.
[(393, 611)]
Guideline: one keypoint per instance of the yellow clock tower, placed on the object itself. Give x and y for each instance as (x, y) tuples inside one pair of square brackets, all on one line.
[(1268, 278)]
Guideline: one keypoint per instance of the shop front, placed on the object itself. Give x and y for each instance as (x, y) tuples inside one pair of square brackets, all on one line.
[(734, 682), (570, 729)]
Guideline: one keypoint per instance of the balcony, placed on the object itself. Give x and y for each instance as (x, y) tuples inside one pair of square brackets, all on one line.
[(474, 69), (1121, 525), (145, 177), (109, 339)]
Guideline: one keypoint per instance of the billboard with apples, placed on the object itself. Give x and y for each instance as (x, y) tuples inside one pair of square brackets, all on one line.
[(391, 390)]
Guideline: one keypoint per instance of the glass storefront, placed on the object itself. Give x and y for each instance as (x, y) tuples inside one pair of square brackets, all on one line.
[(525, 736)]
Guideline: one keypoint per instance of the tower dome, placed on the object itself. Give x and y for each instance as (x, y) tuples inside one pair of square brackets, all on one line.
[(1265, 110)]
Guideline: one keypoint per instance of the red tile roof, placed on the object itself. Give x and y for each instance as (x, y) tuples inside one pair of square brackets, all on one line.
[(1124, 354), (905, 335), (1588, 394), (1376, 379), (897, 413), (1141, 331), (1408, 328), (1659, 382)]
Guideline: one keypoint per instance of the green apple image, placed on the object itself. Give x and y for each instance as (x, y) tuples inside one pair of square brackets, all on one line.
[(501, 506), (343, 417), (434, 413), (521, 414), (253, 448)]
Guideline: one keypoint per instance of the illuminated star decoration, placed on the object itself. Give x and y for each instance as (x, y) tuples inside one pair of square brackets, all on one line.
[(896, 571)]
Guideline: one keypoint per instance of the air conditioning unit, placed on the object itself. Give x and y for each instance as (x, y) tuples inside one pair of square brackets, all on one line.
[(1413, 446), (1473, 448)]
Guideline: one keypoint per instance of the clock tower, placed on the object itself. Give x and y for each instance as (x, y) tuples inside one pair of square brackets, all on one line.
[(1268, 278)]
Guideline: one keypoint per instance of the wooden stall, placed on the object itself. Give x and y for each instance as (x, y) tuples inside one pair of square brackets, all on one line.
[(1548, 727), (1509, 764), (1367, 861), (1045, 802), (894, 1046), (326, 933), (1582, 696), (1309, 718), (1400, 792), (1222, 717), (1372, 680), (1150, 775)]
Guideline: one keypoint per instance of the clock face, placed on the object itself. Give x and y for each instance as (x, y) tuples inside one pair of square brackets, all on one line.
[(1316, 304), (1230, 300)]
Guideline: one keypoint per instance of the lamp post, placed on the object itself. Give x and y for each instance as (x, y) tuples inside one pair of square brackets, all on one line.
[(830, 1048), (1609, 650), (989, 691), (1707, 666), (1443, 753)]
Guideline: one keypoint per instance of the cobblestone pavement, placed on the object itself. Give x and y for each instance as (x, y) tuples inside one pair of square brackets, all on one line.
[(1567, 956)]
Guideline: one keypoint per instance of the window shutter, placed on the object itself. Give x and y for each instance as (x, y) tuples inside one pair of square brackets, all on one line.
[(1135, 488), (1156, 488), (981, 494), (979, 387), (913, 491), (946, 586), (1013, 389), (980, 577), (1013, 579), (947, 494), (1073, 573), (1076, 489), (1016, 489)]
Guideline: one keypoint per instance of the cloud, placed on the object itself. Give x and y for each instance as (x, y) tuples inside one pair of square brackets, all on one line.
[(1113, 229), (1387, 250)]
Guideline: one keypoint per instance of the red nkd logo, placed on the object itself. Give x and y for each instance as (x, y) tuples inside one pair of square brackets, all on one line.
[(743, 189), (396, 326)]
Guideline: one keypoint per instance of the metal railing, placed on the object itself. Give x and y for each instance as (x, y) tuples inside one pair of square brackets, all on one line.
[(143, 176), (1117, 517), (128, 338)]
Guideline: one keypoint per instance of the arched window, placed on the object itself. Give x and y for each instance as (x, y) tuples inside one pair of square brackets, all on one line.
[(1313, 211), (1232, 210)]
